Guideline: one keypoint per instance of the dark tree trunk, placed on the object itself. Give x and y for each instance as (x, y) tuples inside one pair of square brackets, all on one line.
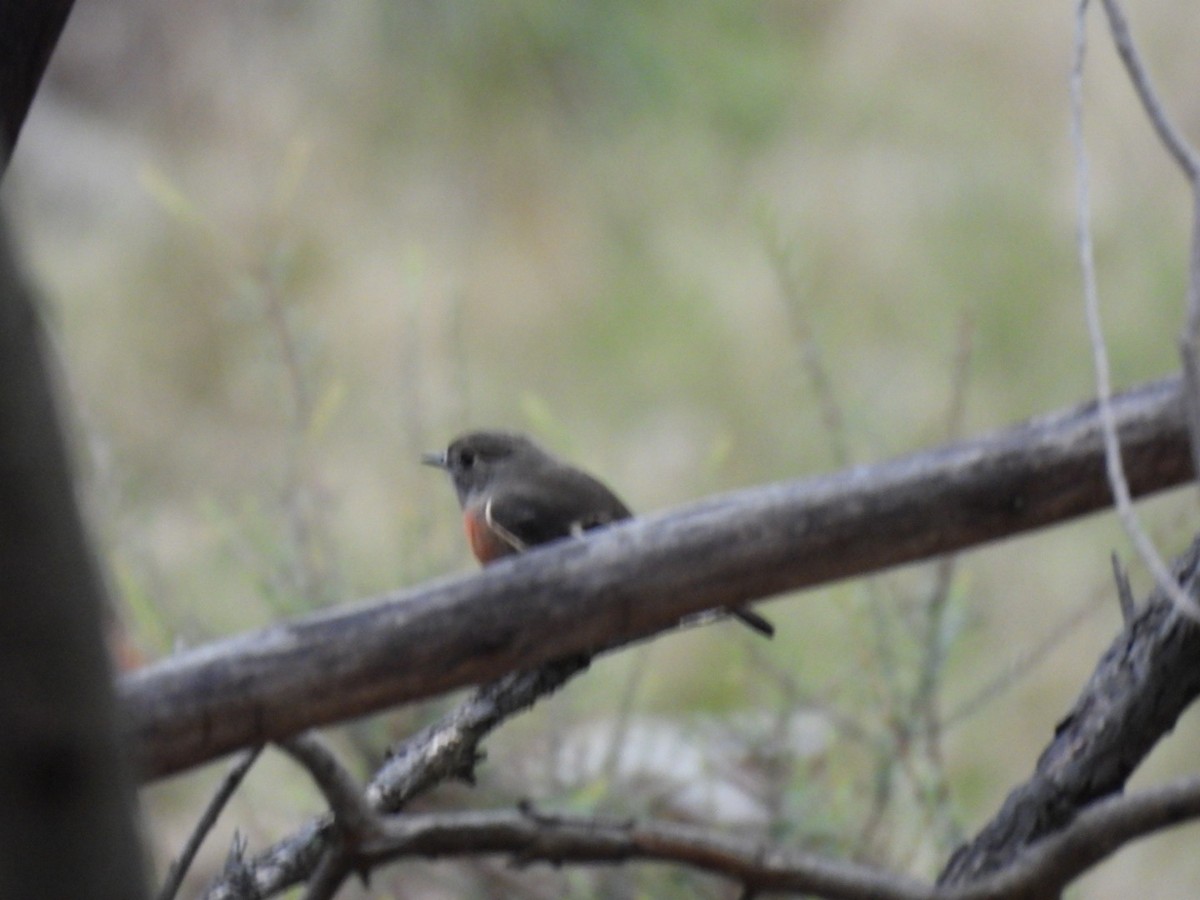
[(66, 813)]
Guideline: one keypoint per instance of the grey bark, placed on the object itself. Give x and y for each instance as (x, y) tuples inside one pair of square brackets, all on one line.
[(641, 577), (1143, 683)]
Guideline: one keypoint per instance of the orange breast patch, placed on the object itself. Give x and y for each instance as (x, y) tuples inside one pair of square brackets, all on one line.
[(485, 544)]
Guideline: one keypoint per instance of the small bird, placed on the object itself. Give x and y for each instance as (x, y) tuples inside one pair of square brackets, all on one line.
[(515, 495)]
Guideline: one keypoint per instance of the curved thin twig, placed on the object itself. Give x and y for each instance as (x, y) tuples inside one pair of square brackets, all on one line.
[(1182, 152), (1188, 161), (1112, 446), (354, 818), (204, 825)]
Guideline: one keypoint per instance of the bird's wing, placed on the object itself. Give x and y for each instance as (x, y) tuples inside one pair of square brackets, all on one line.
[(527, 518)]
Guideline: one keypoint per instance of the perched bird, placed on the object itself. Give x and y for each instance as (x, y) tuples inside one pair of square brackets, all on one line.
[(515, 495)]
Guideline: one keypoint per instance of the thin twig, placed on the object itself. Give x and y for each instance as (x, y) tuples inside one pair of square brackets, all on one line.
[(1175, 143), (623, 715), (212, 812), (929, 783), (812, 360), (353, 820), (353, 817), (1025, 662), (1124, 590), (1112, 448), (797, 695), (329, 876), (933, 650), (236, 874), (1189, 162), (529, 837), (1189, 341), (449, 748)]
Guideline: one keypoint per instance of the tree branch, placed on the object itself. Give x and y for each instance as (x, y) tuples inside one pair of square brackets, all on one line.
[(1145, 680), (450, 748), (637, 578), (1095, 834), (353, 817), (445, 750), (531, 837), (354, 821)]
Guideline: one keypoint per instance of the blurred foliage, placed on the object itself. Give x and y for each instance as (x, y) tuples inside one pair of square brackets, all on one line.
[(692, 246)]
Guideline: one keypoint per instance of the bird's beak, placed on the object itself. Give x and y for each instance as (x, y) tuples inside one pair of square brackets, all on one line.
[(437, 460)]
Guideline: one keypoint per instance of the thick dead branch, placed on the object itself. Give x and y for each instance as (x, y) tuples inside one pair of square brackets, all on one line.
[(641, 577), (1144, 681), (1099, 830)]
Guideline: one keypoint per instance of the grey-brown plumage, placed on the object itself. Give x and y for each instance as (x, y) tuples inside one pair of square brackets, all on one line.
[(515, 495)]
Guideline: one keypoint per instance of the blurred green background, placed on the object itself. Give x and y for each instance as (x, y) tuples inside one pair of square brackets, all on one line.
[(694, 247)]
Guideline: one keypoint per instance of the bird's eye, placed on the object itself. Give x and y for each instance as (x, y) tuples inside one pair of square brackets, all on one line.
[(466, 459)]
